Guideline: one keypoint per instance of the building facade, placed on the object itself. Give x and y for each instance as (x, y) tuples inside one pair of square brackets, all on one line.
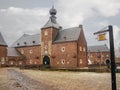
[(54, 46), (3, 50), (98, 54), (14, 57)]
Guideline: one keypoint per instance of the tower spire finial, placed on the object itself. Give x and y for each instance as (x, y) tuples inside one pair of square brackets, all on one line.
[(53, 11)]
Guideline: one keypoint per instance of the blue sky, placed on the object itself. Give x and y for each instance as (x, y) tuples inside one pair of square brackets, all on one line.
[(28, 16)]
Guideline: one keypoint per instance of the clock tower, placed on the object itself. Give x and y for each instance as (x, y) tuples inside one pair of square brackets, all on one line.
[(48, 34)]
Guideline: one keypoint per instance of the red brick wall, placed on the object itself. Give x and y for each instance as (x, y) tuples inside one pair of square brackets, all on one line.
[(65, 58), (98, 57), (46, 41), (82, 50), (15, 61), (3, 52), (32, 54)]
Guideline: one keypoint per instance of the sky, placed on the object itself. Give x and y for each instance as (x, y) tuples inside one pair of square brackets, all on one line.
[(18, 17)]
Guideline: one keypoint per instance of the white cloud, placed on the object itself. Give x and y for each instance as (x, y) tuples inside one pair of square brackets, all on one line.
[(107, 7), (17, 21), (76, 11)]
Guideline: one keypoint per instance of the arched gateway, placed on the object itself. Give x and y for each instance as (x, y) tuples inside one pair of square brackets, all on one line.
[(46, 60)]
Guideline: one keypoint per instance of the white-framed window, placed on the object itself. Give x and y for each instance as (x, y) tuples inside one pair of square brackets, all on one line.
[(107, 55), (31, 62), (2, 60), (20, 63), (46, 33), (11, 62), (46, 47), (81, 61), (63, 49), (84, 49), (46, 52), (22, 51), (62, 61), (80, 48), (30, 51)]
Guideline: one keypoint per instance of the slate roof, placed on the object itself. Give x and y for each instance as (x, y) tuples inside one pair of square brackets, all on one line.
[(98, 48), (70, 34), (51, 24), (52, 20), (27, 40), (2, 41), (12, 52)]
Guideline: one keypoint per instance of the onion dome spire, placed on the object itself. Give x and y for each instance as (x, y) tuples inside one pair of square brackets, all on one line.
[(52, 20), (53, 11)]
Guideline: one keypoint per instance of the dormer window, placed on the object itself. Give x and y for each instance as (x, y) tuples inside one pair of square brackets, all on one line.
[(65, 37), (25, 43), (33, 42), (18, 44)]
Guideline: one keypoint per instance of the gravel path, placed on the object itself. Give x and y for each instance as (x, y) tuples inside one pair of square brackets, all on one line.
[(16, 79)]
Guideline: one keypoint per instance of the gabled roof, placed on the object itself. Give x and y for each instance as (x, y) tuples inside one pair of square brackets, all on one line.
[(98, 48), (51, 24), (70, 34), (12, 52), (27, 40), (2, 41)]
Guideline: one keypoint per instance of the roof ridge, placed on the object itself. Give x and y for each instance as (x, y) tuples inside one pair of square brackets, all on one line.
[(69, 28)]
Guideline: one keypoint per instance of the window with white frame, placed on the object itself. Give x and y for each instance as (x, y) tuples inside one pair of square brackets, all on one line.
[(46, 33), (80, 48), (20, 63), (30, 51), (84, 49), (62, 61), (46, 52), (2, 60), (63, 49), (107, 55), (11, 62), (31, 62), (81, 61), (22, 51)]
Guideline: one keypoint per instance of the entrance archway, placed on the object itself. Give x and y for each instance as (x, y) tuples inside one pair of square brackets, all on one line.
[(46, 60)]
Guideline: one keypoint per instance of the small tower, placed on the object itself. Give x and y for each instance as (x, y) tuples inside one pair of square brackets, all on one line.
[(48, 34)]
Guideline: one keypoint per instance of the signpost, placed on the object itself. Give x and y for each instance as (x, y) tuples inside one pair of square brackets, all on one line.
[(112, 55)]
